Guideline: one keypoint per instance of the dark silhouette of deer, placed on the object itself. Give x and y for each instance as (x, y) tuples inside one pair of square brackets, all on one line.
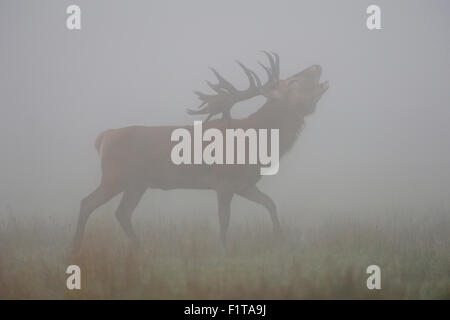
[(137, 158)]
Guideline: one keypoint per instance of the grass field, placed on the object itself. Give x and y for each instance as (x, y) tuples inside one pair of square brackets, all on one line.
[(182, 258)]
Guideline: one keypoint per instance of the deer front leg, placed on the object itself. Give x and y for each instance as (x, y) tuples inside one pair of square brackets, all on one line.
[(224, 204), (255, 195)]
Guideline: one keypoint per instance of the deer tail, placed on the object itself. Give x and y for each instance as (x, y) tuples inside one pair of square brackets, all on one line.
[(98, 142)]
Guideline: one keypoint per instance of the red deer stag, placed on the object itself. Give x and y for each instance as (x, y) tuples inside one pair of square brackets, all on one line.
[(136, 158)]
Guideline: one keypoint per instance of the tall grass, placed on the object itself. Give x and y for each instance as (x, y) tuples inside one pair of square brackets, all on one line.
[(183, 259)]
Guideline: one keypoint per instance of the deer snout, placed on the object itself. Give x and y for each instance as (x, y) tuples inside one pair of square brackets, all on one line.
[(316, 68), (314, 72)]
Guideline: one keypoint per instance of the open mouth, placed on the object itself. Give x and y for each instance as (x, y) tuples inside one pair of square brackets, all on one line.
[(324, 86), (316, 72), (313, 74)]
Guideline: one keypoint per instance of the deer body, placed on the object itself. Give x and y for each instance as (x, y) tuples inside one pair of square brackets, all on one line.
[(134, 159)]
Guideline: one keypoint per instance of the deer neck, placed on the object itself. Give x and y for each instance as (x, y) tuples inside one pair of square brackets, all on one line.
[(276, 115)]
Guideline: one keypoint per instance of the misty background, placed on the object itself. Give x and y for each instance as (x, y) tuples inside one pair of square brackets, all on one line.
[(378, 140)]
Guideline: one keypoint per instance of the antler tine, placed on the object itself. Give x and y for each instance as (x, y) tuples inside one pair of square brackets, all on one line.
[(249, 75), (201, 95), (216, 87), (277, 63), (208, 97), (273, 65), (269, 74), (255, 76), (223, 83), (212, 85)]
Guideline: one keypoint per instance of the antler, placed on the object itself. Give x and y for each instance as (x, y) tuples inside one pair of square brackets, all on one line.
[(227, 95)]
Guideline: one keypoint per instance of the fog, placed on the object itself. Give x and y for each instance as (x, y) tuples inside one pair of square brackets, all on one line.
[(379, 138)]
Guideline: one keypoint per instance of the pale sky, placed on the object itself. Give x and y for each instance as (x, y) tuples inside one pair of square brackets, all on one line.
[(380, 136)]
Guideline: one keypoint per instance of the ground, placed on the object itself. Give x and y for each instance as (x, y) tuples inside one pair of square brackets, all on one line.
[(181, 258)]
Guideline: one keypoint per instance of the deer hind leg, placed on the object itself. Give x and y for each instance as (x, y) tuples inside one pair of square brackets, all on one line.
[(255, 195), (224, 204), (128, 203), (98, 197)]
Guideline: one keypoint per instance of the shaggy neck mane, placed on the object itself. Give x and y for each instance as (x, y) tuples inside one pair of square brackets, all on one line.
[(275, 115)]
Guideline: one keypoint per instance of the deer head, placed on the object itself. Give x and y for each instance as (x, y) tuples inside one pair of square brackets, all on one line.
[(301, 91)]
